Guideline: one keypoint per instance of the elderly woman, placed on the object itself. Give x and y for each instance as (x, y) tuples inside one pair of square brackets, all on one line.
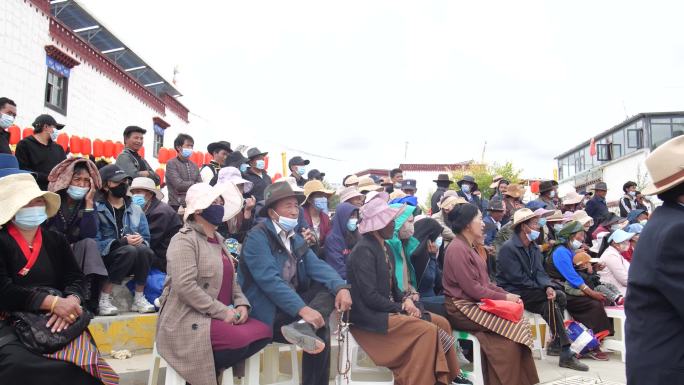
[(387, 324), (238, 226), (506, 354), (316, 209), (343, 237), (204, 325), (616, 267), (31, 257), (587, 309)]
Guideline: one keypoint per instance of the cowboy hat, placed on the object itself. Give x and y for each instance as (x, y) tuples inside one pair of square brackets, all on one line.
[(202, 195), (376, 215), (523, 215), (600, 186), (17, 190), (442, 178), (557, 216), (314, 186), (545, 186), (233, 175), (515, 191), (254, 152), (469, 179), (348, 193), (452, 201), (666, 166), (145, 183), (572, 198), (367, 184), (276, 192), (217, 146)]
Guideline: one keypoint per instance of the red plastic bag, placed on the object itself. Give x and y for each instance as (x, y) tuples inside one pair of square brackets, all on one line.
[(505, 309)]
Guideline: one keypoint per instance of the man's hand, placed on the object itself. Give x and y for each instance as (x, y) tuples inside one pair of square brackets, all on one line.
[(309, 237), (312, 317), (410, 308), (550, 293), (343, 300)]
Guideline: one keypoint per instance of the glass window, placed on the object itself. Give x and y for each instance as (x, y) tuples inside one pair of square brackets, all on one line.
[(603, 152), (677, 129), (618, 141), (635, 138), (660, 120), (158, 139), (640, 124), (56, 91), (660, 133), (588, 159)]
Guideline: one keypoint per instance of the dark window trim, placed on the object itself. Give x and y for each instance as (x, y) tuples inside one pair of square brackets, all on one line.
[(639, 132), (61, 110), (607, 151), (157, 145)]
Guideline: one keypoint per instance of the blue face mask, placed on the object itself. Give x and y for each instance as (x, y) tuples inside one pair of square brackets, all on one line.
[(576, 244), (138, 199), (542, 222), (243, 167), (287, 224), (54, 135), (29, 218), (213, 214), (6, 120), (76, 192), (186, 152), (301, 170), (632, 193), (352, 224), (552, 194), (465, 188), (260, 164), (321, 203), (533, 235), (439, 241)]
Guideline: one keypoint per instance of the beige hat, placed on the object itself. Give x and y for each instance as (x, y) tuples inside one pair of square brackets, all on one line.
[(202, 195), (145, 183), (353, 180), (348, 193), (17, 190), (367, 184), (666, 166), (397, 194), (582, 217), (557, 216), (314, 186), (451, 202), (572, 198), (293, 183), (523, 215), (495, 182), (515, 190)]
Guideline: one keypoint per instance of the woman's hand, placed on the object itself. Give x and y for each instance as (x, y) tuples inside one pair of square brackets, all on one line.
[(409, 307), (230, 318), (432, 247), (512, 298), (243, 311), (57, 324), (90, 196), (596, 295), (68, 309)]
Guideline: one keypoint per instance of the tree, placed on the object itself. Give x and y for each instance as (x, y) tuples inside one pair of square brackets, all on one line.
[(484, 174)]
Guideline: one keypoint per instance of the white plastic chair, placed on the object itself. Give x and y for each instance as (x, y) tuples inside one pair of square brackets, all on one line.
[(536, 320), (271, 375), (476, 375)]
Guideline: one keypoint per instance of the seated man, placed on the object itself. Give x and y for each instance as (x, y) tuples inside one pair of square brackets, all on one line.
[(162, 220), (289, 287)]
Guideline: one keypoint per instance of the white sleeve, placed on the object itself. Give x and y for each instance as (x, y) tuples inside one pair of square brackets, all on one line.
[(206, 174)]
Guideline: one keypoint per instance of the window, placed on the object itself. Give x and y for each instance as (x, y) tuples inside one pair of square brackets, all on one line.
[(56, 91), (660, 133), (158, 140), (603, 152), (635, 138)]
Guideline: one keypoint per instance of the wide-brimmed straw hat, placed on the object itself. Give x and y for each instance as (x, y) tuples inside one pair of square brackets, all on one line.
[(523, 215), (202, 195), (145, 183), (367, 184), (572, 198), (540, 212), (666, 166), (452, 201), (352, 180), (234, 176), (315, 186), (17, 190), (515, 191), (348, 193), (278, 191), (582, 217), (376, 215), (557, 216)]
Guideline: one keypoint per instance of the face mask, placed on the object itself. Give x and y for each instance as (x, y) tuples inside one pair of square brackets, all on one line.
[(397, 186), (632, 193), (321, 203), (352, 224), (557, 228), (576, 244), (243, 167), (54, 135), (76, 192), (533, 235), (213, 214), (30, 217), (465, 188), (186, 152), (301, 170), (285, 223), (6, 120), (138, 199), (406, 231), (439, 241), (623, 246), (260, 164), (120, 190), (542, 222)]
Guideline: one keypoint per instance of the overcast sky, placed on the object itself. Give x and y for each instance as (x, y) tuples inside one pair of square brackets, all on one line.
[(355, 80)]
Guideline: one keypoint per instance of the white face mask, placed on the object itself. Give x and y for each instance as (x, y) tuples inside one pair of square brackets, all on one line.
[(6, 120)]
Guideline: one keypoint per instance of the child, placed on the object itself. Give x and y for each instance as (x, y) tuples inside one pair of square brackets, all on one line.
[(582, 262)]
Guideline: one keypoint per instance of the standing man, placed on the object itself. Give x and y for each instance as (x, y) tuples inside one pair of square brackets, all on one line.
[(628, 201), (39, 153), (443, 182), (547, 193), (316, 175), (655, 292), (597, 208), (396, 176), (181, 173), (468, 187), (8, 112), (256, 173), (219, 153), (130, 161), (297, 167)]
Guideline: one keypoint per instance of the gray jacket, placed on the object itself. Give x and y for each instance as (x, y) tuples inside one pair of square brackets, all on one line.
[(128, 162), (180, 175)]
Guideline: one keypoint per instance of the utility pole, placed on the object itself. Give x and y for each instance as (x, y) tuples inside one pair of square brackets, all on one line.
[(405, 151), (484, 148)]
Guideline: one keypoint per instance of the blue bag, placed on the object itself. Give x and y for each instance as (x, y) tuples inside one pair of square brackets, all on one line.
[(153, 286)]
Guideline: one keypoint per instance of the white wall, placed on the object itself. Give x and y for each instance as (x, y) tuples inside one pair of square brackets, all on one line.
[(617, 173)]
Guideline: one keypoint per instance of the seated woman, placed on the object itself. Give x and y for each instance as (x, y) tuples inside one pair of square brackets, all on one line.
[(204, 325), (238, 226), (31, 257), (316, 209), (386, 322), (76, 180), (342, 237), (587, 309), (505, 345), (402, 244), (616, 267), (428, 232)]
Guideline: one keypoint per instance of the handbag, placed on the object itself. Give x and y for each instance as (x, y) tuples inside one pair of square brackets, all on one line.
[(507, 310), (31, 329)]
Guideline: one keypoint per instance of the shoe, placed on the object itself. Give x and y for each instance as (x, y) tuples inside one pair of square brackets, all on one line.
[(554, 348), (105, 306), (141, 305), (461, 380), (302, 335), (597, 355), (620, 301), (571, 362)]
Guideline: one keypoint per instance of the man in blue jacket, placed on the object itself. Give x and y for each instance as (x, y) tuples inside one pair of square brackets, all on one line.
[(288, 286), (597, 208)]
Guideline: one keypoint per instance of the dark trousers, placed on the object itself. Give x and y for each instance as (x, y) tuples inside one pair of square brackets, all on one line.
[(315, 367), (536, 302), (127, 260), (224, 359)]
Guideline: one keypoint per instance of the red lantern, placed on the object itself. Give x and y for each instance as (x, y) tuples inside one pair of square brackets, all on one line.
[(141, 152), (172, 154), (15, 134), (207, 158), (75, 144), (28, 131), (118, 148), (63, 140), (98, 148), (163, 155), (534, 186), (161, 173), (108, 149), (276, 177), (86, 148), (266, 163)]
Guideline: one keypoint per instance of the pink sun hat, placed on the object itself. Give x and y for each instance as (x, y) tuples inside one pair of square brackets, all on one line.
[(376, 215)]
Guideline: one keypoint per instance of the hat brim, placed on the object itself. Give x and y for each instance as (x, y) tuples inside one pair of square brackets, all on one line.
[(256, 155), (17, 201), (232, 201), (328, 193), (379, 225), (157, 193), (524, 219), (59, 126), (117, 179), (300, 199), (651, 189), (213, 147), (460, 182), (370, 188)]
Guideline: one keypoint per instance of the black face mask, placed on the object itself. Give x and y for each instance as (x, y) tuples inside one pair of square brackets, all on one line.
[(119, 191)]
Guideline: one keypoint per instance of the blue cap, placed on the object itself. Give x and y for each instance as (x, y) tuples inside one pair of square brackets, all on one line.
[(620, 236), (535, 205), (635, 228), (9, 165), (632, 216)]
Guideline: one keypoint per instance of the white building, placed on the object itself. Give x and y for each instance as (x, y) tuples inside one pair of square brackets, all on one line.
[(620, 154), (59, 59)]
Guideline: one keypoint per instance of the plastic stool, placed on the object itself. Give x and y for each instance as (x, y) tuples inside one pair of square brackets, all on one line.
[(536, 320), (476, 376), (272, 365)]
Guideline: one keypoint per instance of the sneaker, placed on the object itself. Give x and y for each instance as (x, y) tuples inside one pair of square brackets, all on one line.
[(571, 362), (461, 380), (302, 334), (620, 301), (105, 307), (597, 355), (141, 305)]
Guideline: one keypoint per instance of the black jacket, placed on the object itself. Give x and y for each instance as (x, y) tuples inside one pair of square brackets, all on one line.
[(164, 223), (474, 199), (260, 183), (38, 158), (434, 201), (4, 142), (655, 304), (520, 268), (369, 277)]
